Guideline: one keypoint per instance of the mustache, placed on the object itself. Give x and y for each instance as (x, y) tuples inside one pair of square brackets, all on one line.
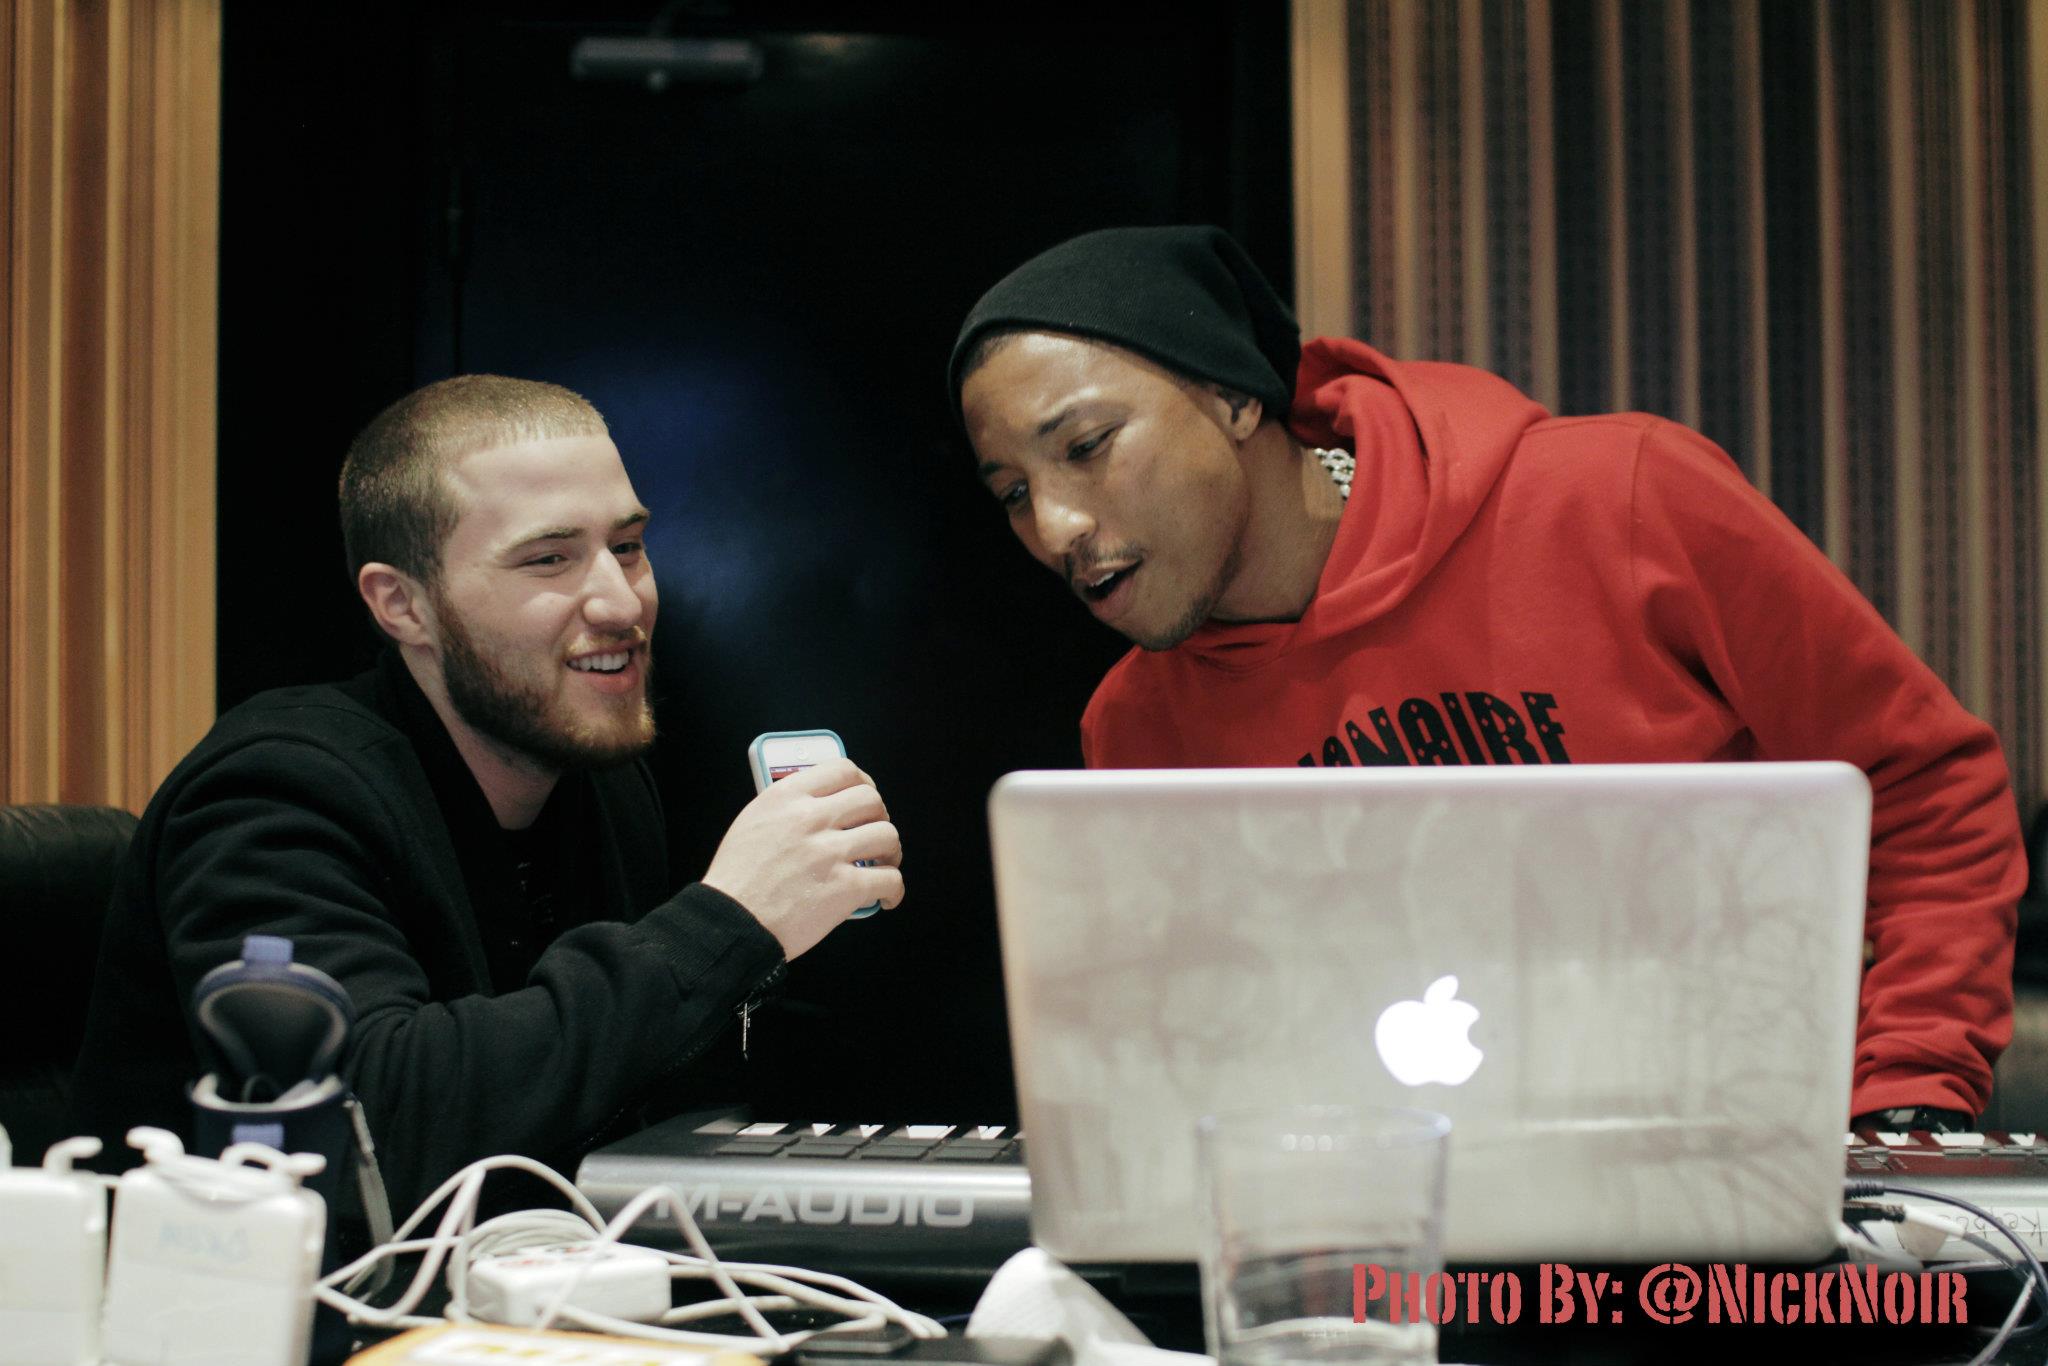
[(628, 640), (1080, 567)]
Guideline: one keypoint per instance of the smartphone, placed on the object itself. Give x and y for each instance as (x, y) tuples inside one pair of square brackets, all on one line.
[(776, 754)]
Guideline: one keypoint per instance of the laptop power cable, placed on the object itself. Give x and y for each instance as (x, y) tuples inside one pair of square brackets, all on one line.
[(569, 1268)]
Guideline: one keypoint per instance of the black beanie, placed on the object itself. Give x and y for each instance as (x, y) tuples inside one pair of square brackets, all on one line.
[(1186, 297)]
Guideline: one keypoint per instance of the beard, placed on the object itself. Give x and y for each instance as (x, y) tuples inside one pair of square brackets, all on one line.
[(520, 714), (1198, 611)]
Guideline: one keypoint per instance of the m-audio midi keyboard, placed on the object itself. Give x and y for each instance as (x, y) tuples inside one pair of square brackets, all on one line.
[(945, 1201), (928, 1201)]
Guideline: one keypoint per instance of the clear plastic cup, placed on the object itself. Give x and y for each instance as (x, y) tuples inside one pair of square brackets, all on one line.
[(1324, 1226)]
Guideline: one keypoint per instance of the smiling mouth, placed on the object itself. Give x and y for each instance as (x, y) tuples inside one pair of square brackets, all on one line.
[(614, 662)]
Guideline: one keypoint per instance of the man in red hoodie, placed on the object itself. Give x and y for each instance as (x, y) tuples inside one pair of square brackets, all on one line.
[(1326, 556)]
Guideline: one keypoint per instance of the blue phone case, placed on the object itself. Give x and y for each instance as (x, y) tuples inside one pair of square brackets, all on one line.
[(758, 760)]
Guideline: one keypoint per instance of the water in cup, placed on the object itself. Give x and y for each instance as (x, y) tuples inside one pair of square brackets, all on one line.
[(1314, 1212), (1296, 1309)]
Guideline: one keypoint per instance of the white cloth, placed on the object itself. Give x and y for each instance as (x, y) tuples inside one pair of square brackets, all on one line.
[(1033, 1295)]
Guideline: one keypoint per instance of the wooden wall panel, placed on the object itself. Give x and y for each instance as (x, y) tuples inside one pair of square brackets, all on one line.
[(1322, 161), (111, 228), (8, 84), (1817, 230)]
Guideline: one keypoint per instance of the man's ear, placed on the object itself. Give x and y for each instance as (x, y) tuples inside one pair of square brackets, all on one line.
[(1240, 413), (398, 602)]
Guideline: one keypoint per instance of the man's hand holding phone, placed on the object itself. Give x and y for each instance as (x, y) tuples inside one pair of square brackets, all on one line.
[(794, 856)]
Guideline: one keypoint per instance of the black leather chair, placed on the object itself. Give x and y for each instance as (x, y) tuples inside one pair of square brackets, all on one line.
[(57, 871)]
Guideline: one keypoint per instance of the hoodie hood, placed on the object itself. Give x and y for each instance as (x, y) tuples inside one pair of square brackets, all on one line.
[(1431, 440)]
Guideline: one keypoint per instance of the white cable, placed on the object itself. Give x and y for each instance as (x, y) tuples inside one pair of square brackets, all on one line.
[(861, 1305), (2020, 1301), (461, 1191), (2034, 1278), (920, 1325), (711, 1309), (2004, 1333), (1859, 1246), (858, 1301), (2008, 1260), (772, 1346), (693, 1235), (459, 1243), (866, 1305), (515, 1232)]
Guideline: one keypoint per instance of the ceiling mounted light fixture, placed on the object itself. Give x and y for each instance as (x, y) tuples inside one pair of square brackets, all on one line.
[(658, 62)]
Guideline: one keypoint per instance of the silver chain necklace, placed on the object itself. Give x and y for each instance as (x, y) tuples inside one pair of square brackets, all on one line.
[(1340, 465)]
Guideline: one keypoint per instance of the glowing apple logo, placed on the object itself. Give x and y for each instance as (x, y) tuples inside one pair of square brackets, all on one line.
[(1425, 1041)]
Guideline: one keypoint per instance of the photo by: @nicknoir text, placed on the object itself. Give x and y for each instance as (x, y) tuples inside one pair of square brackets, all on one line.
[(1669, 1294)]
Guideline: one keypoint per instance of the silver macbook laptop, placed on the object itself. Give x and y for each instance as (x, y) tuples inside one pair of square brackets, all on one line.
[(1632, 989)]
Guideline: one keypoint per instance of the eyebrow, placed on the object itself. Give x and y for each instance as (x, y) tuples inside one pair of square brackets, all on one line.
[(1045, 428), (567, 533), (1053, 423)]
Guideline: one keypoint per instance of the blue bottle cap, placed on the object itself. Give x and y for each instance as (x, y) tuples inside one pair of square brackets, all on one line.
[(266, 948)]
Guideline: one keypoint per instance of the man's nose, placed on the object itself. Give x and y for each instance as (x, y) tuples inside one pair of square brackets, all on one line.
[(1061, 525), (609, 599)]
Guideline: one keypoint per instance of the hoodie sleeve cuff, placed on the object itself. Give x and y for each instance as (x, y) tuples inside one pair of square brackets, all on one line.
[(705, 938)]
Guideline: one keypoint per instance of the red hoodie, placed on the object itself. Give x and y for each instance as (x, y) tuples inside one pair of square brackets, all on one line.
[(1509, 587)]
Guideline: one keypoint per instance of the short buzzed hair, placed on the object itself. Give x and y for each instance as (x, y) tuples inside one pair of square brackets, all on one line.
[(395, 509)]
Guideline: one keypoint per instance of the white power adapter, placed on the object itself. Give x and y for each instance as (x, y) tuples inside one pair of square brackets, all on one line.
[(53, 1248), (615, 1279), (1925, 1234), (213, 1261)]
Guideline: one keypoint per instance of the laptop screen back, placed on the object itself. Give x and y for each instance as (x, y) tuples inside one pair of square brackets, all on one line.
[(1632, 988)]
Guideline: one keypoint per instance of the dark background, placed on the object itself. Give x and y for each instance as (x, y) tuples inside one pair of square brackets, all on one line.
[(758, 287)]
